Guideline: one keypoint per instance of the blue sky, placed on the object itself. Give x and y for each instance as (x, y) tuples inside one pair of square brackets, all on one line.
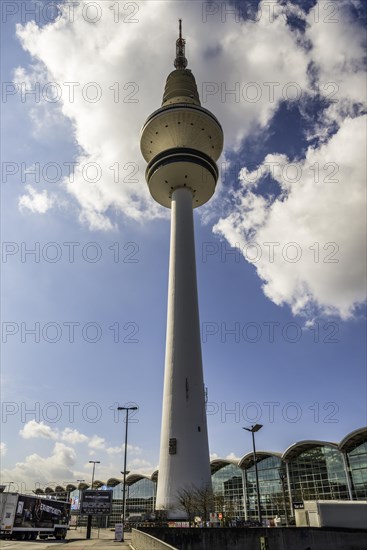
[(280, 248)]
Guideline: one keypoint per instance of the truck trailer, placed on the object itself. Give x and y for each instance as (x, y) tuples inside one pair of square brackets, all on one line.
[(26, 517), (347, 514)]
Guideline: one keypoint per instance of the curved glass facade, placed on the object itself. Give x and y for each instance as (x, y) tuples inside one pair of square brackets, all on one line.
[(228, 490), (357, 460), (272, 498), (140, 500), (309, 470), (318, 474), (140, 497)]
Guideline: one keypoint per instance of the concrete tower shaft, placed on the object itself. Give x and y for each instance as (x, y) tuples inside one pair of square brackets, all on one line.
[(184, 450), (181, 143)]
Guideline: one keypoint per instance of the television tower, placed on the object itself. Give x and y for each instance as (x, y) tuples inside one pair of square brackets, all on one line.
[(181, 142)]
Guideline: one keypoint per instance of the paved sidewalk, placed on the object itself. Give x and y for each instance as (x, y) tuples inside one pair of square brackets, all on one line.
[(100, 539)]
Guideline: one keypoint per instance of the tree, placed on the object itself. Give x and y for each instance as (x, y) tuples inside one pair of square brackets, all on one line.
[(204, 501), (228, 507), (187, 502), (196, 501)]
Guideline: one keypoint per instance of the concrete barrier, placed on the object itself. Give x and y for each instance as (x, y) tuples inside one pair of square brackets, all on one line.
[(143, 541), (287, 538)]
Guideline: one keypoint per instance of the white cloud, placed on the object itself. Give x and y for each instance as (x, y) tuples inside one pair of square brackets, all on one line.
[(35, 468), (232, 456), (3, 448), (120, 449), (262, 61), (36, 202), (338, 49), (328, 215), (325, 207), (63, 463), (114, 450), (46, 115), (96, 442), (140, 465), (33, 429), (73, 436), (250, 57)]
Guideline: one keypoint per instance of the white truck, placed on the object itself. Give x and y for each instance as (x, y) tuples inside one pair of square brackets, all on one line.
[(350, 514), (25, 517)]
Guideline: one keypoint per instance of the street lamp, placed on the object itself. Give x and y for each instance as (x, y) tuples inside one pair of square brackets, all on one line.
[(89, 520), (254, 429), (127, 409), (94, 462)]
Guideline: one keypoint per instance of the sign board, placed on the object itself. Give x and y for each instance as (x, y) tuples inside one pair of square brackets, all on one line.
[(96, 503), (75, 503), (298, 505), (119, 532)]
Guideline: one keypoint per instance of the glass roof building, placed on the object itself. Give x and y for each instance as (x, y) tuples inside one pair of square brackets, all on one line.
[(354, 451), (307, 470), (227, 481)]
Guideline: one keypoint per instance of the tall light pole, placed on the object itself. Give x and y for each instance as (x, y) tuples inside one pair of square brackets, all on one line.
[(94, 462), (89, 521), (254, 429), (127, 409)]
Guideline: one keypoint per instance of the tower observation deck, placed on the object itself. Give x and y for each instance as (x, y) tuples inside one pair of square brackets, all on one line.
[(181, 143)]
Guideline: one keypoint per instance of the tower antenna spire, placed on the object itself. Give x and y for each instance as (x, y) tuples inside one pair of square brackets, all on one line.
[(180, 61)]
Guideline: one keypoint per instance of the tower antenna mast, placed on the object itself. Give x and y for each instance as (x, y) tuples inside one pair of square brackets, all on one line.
[(180, 61)]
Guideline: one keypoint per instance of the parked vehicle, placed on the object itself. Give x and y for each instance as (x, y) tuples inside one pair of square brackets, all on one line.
[(332, 513), (25, 517)]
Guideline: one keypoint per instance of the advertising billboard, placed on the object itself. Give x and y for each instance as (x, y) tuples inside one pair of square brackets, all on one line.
[(96, 503), (40, 512)]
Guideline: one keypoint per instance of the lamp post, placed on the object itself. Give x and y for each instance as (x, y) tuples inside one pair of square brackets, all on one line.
[(124, 474), (127, 409), (254, 429), (283, 476), (94, 462), (89, 520)]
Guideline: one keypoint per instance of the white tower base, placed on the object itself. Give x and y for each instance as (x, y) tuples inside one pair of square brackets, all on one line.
[(184, 451)]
